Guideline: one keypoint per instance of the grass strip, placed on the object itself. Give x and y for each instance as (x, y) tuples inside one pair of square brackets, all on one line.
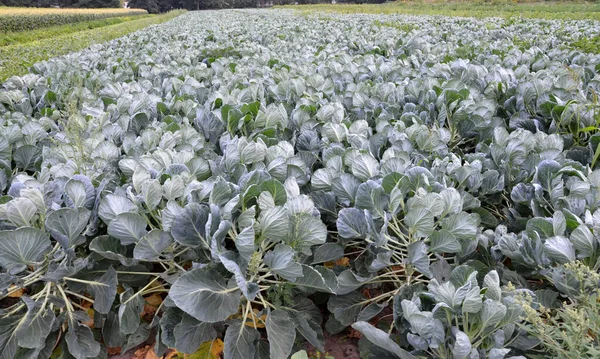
[(26, 19), (538, 10), (16, 59), (21, 37)]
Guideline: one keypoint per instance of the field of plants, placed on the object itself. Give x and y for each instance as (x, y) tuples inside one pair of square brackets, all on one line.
[(252, 183), (22, 19), (39, 34)]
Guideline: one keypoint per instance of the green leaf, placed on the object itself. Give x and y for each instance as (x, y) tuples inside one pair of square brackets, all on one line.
[(204, 295), (462, 345), (110, 331), (22, 247), (300, 355), (21, 211), (351, 223), (420, 221), (364, 167), (38, 323), (306, 231), (274, 223), (152, 245), (540, 226), (327, 252), (345, 187), (317, 278), (380, 339), (584, 242), (189, 227), (8, 339), (418, 258), (240, 341), (492, 313), (80, 341), (462, 225), (281, 262), (452, 201), (27, 157), (190, 333), (560, 249), (132, 305), (244, 242), (346, 308), (104, 290), (129, 228), (110, 248), (309, 328), (113, 205), (491, 281), (67, 224), (152, 193), (275, 187), (444, 242), (281, 333)]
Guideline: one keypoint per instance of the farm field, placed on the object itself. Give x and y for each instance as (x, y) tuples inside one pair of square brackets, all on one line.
[(21, 19), (252, 183), (21, 49), (536, 10)]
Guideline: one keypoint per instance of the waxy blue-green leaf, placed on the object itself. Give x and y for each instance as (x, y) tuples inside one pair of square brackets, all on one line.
[(189, 227), (22, 247), (205, 295), (351, 223), (129, 228), (381, 339), (420, 221), (281, 262), (281, 334), (240, 341), (152, 245), (191, 333)]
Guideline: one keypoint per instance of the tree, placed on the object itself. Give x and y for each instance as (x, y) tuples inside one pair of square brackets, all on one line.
[(151, 6)]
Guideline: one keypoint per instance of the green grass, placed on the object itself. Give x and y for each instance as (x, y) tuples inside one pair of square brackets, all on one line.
[(541, 10), (16, 59), (26, 19), (591, 45), (20, 37)]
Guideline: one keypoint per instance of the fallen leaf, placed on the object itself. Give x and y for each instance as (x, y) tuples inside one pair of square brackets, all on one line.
[(172, 354), (113, 351), (354, 334), (90, 323), (148, 312), (16, 294), (343, 262), (255, 318), (146, 352), (208, 350), (86, 304), (154, 300), (217, 347), (151, 354)]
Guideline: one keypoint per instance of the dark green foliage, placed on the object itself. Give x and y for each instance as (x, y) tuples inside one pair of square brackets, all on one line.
[(26, 22), (89, 4)]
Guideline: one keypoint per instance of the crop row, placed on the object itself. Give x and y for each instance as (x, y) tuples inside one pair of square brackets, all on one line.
[(23, 19), (264, 178)]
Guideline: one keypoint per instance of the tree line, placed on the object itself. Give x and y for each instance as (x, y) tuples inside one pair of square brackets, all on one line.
[(159, 6)]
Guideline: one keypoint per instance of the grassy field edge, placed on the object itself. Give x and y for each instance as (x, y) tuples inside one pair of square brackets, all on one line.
[(16, 59), (21, 37), (538, 10), (27, 19)]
